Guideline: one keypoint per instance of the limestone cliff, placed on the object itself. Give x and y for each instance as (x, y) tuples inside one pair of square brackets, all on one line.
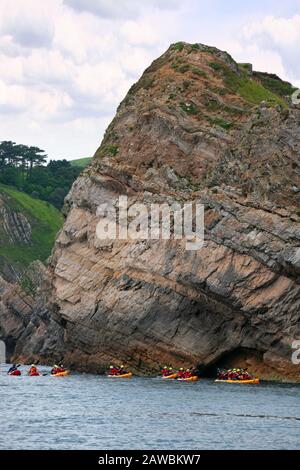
[(197, 126)]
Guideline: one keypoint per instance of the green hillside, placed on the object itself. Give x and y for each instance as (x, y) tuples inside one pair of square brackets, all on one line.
[(45, 221), (81, 162)]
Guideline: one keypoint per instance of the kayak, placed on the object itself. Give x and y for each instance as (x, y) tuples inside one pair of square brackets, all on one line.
[(194, 378), (171, 376), (15, 372), (61, 374), (122, 376), (250, 381), (34, 375)]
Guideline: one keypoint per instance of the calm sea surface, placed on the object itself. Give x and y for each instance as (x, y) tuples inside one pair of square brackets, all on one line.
[(95, 412)]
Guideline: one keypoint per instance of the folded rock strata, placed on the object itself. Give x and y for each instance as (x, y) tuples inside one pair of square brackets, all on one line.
[(187, 131)]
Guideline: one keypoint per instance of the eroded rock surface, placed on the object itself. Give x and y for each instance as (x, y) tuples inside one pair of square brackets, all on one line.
[(192, 129)]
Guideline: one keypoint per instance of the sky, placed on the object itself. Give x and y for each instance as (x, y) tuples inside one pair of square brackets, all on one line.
[(66, 64)]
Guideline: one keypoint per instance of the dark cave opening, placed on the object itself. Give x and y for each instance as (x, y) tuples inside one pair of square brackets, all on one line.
[(10, 346), (237, 358)]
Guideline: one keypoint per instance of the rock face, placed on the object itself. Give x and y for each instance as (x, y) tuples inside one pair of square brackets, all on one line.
[(15, 229), (26, 326), (196, 127)]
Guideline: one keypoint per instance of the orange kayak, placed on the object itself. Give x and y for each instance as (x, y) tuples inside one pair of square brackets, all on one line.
[(194, 378), (122, 376), (171, 376), (61, 374), (250, 381)]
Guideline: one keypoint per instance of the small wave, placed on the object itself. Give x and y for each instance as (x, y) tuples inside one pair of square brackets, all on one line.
[(295, 418)]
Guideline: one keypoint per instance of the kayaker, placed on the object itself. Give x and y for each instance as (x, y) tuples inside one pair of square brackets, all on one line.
[(222, 374), (55, 369), (12, 368), (233, 374), (187, 374), (33, 371), (244, 375), (113, 370), (122, 370), (165, 371)]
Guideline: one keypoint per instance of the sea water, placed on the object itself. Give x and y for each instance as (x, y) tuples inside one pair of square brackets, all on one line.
[(86, 411)]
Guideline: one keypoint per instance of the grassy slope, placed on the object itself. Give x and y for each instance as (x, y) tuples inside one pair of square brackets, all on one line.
[(45, 221), (253, 91), (81, 162)]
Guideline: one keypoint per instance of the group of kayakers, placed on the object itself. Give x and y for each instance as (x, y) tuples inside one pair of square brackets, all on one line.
[(33, 370), (171, 372), (167, 372), (234, 374), (58, 369), (115, 371)]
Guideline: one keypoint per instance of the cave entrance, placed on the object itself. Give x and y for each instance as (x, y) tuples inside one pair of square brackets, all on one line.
[(238, 358), (2, 352)]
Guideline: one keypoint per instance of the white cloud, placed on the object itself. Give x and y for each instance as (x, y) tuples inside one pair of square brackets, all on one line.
[(139, 33), (280, 36), (119, 9), (29, 23), (12, 98), (66, 64), (281, 31)]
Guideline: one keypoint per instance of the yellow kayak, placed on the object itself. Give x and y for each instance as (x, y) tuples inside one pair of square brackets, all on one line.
[(250, 381), (61, 374), (194, 378), (171, 376), (122, 376)]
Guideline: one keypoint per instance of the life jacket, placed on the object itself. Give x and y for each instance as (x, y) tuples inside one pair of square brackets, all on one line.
[(187, 375), (15, 372), (168, 372), (33, 372)]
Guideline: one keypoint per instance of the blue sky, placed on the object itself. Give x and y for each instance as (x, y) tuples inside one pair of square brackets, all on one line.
[(66, 64)]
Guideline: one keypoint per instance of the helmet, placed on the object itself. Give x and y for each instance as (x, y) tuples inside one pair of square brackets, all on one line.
[(170, 368), (181, 368), (55, 366), (122, 366), (111, 367)]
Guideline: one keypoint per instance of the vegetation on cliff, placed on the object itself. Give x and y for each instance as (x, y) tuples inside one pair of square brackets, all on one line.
[(81, 162), (27, 230), (25, 168)]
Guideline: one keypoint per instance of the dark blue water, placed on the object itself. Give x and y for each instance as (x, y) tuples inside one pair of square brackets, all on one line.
[(95, 412)]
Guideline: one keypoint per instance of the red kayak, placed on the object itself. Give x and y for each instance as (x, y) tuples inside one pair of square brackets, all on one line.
[(15, 372), (36, 374)]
